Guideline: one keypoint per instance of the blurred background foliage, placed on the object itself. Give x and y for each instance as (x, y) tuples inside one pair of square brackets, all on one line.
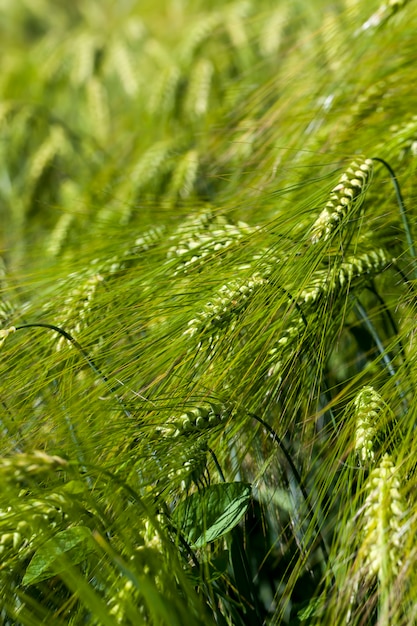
[(163, 171)]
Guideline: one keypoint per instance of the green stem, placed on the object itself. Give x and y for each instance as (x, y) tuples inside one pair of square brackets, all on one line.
[(276, 439), (403, 211), (362, 314)]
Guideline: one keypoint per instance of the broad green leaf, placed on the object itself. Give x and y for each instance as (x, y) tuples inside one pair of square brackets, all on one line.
[(212, 512), (74, 487), (47, 560)]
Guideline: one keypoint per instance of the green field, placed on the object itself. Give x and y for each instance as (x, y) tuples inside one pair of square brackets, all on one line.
[(208, 282)]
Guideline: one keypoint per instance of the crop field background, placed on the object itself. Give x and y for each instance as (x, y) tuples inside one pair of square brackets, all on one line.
[(208, 283)]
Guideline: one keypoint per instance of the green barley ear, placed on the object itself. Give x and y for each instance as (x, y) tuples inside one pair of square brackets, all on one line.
[(384, 535), (224, 308), (272, 30), (204, 237), (382, 528), (98, 108), (368, 404), (27, 466), (344, 198), (384, 514), (184, 177), (285, 348), (405, 138), (69, 196), (154, 163), (79, 304), (384, 13), (344, 276), (83, 58), (196, 420), (123, 65), (164, 93), (55, 144), (199, 32), (5, 332), (199, 86)]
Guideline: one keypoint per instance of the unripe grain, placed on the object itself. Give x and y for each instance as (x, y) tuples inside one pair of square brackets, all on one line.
[(343, 199)]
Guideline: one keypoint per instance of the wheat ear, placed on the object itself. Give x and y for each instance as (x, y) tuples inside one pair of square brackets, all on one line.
[(384, 534), (367, 405), (343, 198), (343, 276)]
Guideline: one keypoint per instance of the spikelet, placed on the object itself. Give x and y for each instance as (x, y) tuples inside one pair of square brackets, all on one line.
[(243, 141), (224, 308), (5, 332), (343, 198), (122, 65), (134, 29), (331, 33), (197, 420), (34, 465), (344, 276), (69, 196), (6, 311), (285, 347), (368, 404), (202, 237), (59, 234), (370, 100), (164, 93), (266, 261), (23, 525), (56, 143), (405, 137), (198, 33), (198, 92), (98, 108), (235, 27), (78, 304), (151, 164), (83, 56), (383, 14), (270, 37), (384, 531), (23, 522), (184, 176)]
